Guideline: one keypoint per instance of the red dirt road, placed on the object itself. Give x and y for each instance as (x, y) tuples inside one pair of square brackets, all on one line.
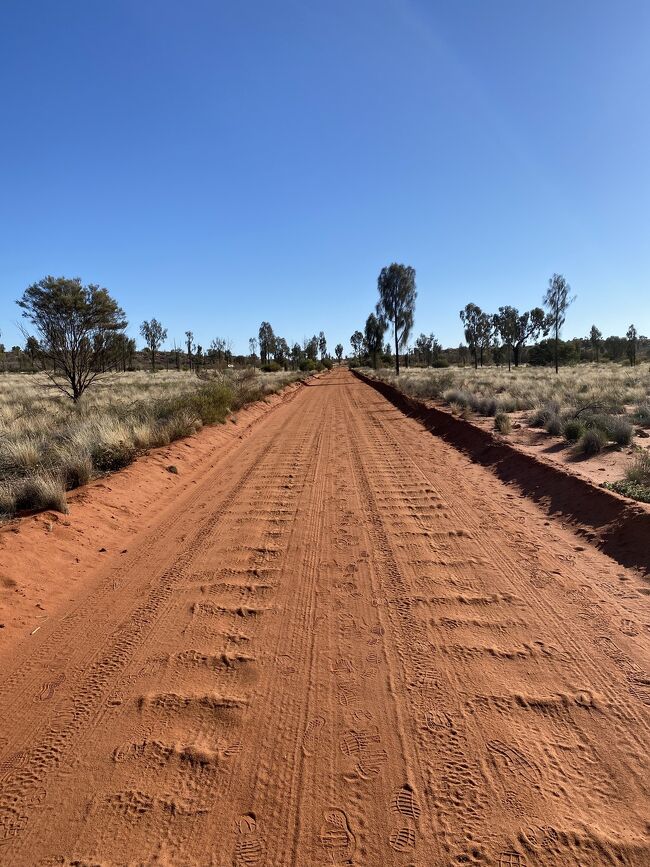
[(346, 645)]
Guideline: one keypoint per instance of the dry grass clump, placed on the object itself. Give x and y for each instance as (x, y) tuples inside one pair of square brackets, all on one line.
[(48, 445)]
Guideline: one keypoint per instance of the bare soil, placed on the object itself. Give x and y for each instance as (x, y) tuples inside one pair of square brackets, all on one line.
[(332, 638)]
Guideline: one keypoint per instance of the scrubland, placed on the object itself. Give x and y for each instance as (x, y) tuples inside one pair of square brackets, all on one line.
[(49, 445), (591, 406)]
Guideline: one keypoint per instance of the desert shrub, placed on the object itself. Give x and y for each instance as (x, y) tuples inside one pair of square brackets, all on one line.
[(7, 500), (327, 363), (591, 442), (642, 414), (41, 491), (620, 431), (271, 367), (484, 406), (615, 428), (554, 425), (502, 422), (573, 429), (639, 470), (308, 364), (542, 414), (457, 397), (74, 465), (440, 363)]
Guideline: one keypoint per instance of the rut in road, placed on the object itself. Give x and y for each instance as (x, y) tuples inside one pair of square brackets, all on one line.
[(348, 645)]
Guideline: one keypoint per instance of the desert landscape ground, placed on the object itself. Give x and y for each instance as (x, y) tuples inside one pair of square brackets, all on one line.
[(341, 642)]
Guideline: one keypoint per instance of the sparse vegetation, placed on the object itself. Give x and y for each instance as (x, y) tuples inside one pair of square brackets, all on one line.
[(502, 423), (606, 398), (49, 445), (591, 442), (636, 483)]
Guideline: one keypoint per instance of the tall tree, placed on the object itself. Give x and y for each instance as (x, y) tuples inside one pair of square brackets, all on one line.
[(32, 348), (189, 343), (311, 348), (296, 355), (472, 318), (322, 345), (68, 319), (338, 351), (374, 336), (505, 324), (252, 348), (356, 341), (557, 302), (596, 340), (281, 351), (632, 340), (397, 294), (154, 336), (267, 342)]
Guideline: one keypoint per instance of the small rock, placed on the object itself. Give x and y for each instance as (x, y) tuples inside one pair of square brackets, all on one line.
[(102, 550), (642, 433), (172, 469)]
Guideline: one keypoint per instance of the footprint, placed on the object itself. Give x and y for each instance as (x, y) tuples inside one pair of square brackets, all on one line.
[(437, 719), (514, 761), (249, 849), (354, 743), (312, 734), (48, 689), (336, 837), (402, 839), (406, 803), (628, 627), (370, 763)]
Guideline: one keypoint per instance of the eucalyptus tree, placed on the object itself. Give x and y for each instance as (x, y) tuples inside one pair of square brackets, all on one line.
[(557, 301), (154, 335), (71, 323), (396, 305)]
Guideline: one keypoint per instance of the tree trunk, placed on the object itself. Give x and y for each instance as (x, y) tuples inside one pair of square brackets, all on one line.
[(556, 351), (396, 350), (509, 353)]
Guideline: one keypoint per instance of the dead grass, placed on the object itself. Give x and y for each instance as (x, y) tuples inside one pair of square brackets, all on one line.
[(49, 446)]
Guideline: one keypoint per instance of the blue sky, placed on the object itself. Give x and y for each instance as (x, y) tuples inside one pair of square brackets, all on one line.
[(218, 163)]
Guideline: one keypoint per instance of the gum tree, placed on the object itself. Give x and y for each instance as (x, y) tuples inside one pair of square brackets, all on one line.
[(397, 294), (557, 301), (72, 324), (154, 335)]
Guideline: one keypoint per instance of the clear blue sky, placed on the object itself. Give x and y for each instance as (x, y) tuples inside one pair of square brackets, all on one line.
[(218, 163)]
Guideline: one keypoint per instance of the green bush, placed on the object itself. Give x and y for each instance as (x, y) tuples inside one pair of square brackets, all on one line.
[(573, 429), (502, 422), (440, 363), (591, 442), (308, 364), (271, 367), (327, 363)]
